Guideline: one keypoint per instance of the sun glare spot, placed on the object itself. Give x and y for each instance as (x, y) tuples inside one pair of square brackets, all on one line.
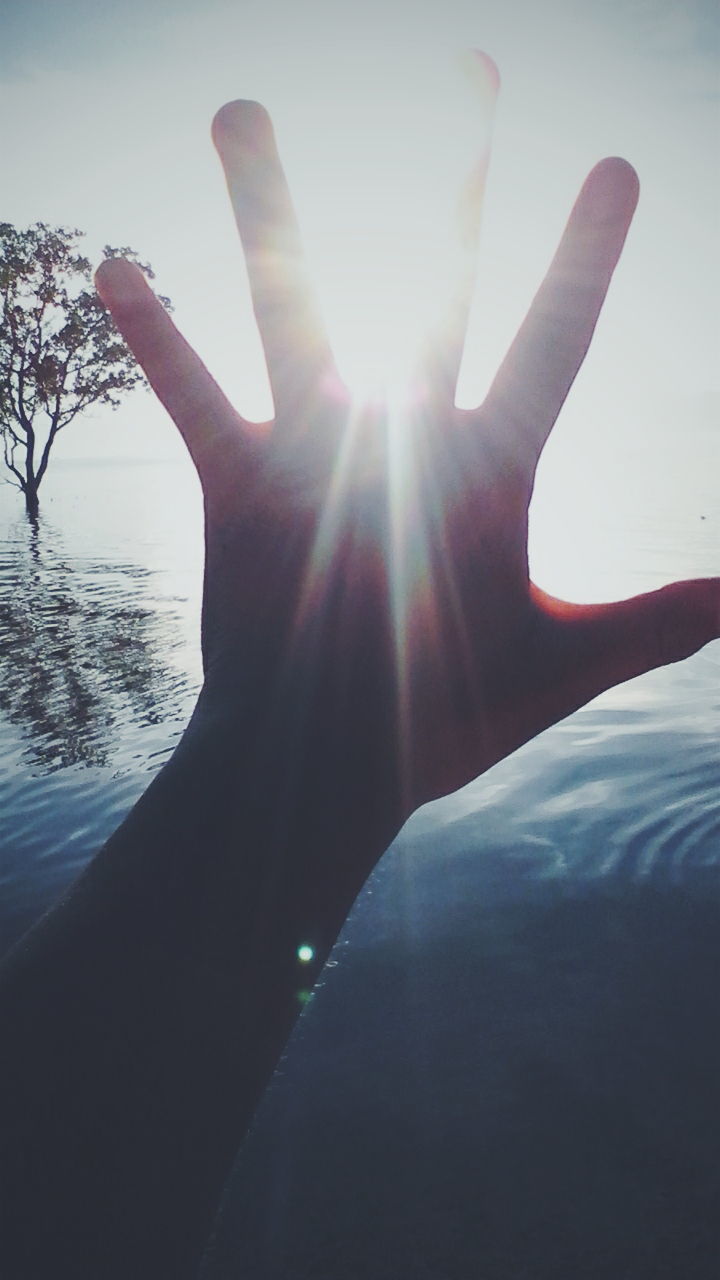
[(392, 220), (377, 329)]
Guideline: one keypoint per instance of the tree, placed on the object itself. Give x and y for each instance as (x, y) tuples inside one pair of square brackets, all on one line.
[(60, 352)]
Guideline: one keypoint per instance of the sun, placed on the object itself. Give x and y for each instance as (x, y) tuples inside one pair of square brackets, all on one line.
[(390, 216), (379, 318), (381, 195)]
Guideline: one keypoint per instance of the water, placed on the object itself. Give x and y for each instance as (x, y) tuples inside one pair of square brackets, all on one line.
[(98, 663), (512, 1067)]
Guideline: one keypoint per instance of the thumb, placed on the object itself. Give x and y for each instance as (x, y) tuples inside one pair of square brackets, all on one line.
[(610, 643)]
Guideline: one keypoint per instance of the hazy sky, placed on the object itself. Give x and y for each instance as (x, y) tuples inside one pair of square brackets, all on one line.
[(105, 112)]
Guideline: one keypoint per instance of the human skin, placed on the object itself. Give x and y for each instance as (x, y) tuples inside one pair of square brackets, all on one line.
[(371, 641)]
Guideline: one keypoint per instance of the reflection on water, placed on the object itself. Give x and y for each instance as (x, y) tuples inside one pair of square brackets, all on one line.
[(86, 652)]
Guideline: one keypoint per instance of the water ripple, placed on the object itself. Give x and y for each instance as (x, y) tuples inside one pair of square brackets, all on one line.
[(90, 653)]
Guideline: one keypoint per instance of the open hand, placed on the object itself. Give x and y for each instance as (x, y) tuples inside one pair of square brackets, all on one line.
[(366, 587), (371, 639)]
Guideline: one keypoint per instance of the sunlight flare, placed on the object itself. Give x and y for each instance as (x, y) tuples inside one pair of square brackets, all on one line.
[(396, 244)]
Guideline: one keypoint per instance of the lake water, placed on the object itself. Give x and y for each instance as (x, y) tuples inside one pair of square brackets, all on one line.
[(511, 1069)]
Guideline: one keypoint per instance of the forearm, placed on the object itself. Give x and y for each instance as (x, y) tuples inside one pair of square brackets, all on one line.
[(144, 1016)]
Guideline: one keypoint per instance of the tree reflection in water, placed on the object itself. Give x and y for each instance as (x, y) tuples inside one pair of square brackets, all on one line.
[(88, 652)]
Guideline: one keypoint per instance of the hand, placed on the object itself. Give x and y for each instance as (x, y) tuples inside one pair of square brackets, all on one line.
[(371, 640), (367, 573)]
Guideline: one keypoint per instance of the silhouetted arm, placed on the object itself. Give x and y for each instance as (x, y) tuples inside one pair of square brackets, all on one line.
[(371, 640)]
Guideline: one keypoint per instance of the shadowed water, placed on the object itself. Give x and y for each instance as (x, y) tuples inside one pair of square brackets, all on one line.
[(511, 1069)]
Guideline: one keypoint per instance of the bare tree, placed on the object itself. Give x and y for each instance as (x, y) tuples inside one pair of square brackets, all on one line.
[(60, 352)]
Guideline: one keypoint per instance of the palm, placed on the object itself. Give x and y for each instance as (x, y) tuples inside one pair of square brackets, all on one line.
[(372, 572)]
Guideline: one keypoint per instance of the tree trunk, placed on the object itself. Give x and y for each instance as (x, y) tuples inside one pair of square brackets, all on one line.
[(32, 502)]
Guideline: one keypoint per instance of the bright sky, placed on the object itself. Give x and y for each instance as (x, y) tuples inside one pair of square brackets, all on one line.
[(105, 113)]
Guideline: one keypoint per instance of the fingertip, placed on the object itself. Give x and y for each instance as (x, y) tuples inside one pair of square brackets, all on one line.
[(240, 123), (120, 283), (614, 181), (622, 172), (688, 618), (714, 592), (483, 78), (486, 70)]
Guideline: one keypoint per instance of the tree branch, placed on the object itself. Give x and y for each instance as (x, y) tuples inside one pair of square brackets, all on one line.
[(55, 425), (10, 463)]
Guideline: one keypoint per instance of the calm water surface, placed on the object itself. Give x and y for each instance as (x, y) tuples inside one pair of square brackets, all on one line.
[(512, 1067)]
